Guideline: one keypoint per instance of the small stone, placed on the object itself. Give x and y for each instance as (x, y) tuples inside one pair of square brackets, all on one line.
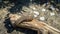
[(35, 12), (34, 8), (44, 4), (35, 15), (42, 18), (43, 9), (52, 14), (57, 9), (52, 7)]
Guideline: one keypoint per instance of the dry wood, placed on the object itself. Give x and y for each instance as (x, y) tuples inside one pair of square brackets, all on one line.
[(34, 24), (28, 22)]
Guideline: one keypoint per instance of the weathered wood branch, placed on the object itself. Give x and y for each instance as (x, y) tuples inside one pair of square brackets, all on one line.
[(38, 25), (28, 22)]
